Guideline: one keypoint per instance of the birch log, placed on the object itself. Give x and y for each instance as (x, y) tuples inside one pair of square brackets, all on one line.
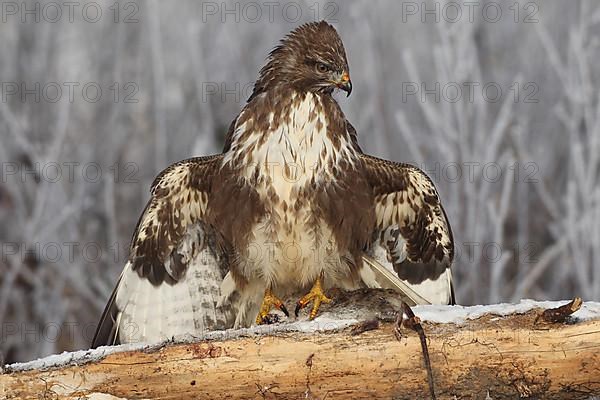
[(495, 357)]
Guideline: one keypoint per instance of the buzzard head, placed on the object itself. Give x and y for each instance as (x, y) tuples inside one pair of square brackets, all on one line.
[(310, 58)]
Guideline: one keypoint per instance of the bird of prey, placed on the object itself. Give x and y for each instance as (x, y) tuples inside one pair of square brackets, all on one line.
[(291, 206)]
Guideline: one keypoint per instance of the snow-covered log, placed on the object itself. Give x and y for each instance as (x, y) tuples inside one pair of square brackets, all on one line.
[(498, 351)]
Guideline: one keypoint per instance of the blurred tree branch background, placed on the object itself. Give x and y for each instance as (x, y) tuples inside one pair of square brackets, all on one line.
[(502, 114)]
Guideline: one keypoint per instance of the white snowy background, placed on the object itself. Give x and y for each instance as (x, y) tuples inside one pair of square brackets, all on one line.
[(497, 101)]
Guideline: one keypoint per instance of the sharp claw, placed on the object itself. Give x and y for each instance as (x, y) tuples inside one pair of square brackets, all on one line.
[(270, 301), (284, 309), (299, 307), (316, 296)]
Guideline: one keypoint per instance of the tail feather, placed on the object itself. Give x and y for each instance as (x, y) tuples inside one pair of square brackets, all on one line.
[(389, 280), (439, 291), (107, 330)]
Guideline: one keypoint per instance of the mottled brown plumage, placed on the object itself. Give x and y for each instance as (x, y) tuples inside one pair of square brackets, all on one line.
[(292, 201), (179, 197)]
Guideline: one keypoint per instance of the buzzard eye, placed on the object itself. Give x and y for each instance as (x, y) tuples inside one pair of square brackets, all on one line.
[(322, 68)]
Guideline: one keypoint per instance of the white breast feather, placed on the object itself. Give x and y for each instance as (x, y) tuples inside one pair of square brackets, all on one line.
[(289, 158)]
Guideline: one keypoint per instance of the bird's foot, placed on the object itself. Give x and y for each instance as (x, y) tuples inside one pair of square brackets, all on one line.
[(316, 296), (270, 301)]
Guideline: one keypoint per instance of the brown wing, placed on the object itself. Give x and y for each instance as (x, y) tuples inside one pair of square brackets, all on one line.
[(175, 266), (411, 226), (180, 195)]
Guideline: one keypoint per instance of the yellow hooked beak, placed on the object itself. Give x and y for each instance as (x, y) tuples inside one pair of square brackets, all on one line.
[(345, 83)]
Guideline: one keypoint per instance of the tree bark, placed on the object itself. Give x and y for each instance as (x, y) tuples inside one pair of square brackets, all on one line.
[(500, 357)]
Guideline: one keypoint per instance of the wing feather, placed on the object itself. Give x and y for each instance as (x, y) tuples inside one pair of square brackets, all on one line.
[(175, 264), (179, 199), (412, 228)]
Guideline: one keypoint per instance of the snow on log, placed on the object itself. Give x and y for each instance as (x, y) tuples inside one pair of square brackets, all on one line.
[(350, 351)]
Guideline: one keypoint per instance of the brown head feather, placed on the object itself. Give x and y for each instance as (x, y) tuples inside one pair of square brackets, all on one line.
[(310, 58)]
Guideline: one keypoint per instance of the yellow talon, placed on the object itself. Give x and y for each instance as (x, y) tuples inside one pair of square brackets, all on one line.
[(317, 297), (270, 301)]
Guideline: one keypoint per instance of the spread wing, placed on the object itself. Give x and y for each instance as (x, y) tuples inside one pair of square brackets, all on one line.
[(179, 199), (170, 285), (412, 234)]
